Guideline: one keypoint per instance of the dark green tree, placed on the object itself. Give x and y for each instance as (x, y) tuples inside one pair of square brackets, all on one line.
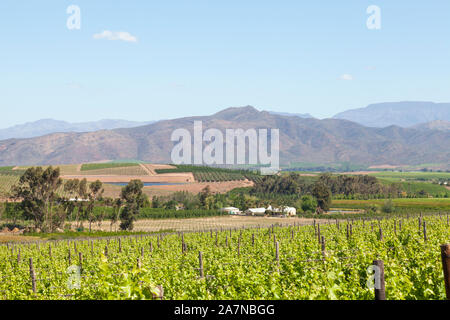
[(37, 191), (322, 193), (134, 199)]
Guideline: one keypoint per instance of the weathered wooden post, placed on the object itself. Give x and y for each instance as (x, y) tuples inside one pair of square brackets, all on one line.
[(32, 276), (106, 251), (445, 255), (80, 259), (200, 261), (380, 291), (381, 234), (323, 247), (425, 231)]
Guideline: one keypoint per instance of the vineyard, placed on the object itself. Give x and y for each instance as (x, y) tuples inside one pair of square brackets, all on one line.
[(210, 174), (6, 183), (320, 261)]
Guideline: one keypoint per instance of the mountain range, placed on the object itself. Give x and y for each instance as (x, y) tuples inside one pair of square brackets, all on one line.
[(48, 126), (402, 114), (301, 140)]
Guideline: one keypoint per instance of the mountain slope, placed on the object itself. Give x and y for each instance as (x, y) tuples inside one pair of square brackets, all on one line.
[(441, 125), (48, 126), (403, 114), (301, 140)]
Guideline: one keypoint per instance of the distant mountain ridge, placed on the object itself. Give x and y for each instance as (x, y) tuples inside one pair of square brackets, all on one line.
[(403, 114), (301, 140), (49, 126), (300, 115)]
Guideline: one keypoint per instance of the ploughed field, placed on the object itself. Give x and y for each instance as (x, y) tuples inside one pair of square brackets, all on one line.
[(260, 263)]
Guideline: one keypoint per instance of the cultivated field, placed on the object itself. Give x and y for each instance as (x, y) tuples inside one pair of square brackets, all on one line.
[(320, 262), (205, 224)]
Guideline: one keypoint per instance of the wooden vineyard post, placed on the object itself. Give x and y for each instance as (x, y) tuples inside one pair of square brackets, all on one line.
[(138, 264), (80, 257), (445, 254), (381, 234), (400, 226), (395, 227), (106, 251), (217, 240), (142, 252), (420, 223), (160, 295), (380, 292), (318, 233), (50, 251), (253, 239), (322, 240), (277, 254), (18, 257), (120, 245), (348, 231), (200, 261), (70, 258), (32, 276), (425, 231), (239, 247)]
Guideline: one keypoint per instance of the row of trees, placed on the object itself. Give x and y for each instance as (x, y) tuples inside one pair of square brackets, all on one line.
[(38, 191)]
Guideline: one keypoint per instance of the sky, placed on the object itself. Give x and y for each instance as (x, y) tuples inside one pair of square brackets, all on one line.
[(151, 60)]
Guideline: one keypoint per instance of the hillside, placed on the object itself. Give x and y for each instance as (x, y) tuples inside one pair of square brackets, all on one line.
[(402, 114), (49, 126), (441, 125), (301, 140)]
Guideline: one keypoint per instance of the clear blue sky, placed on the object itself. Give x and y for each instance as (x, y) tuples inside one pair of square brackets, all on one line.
[(198, 57)]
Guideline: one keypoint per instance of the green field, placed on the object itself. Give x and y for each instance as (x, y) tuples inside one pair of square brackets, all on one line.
[(109, 165), (412, 176), (235, 264), (414, 204), (211, 174)]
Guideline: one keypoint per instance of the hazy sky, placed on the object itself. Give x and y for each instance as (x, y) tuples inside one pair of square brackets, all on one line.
[(148, 60)]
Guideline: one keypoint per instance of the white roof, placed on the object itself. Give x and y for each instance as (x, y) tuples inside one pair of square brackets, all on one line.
[(229, 208), (257, 210)]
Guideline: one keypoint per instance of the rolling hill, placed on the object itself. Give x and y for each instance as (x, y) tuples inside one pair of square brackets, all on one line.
[(301, 140)]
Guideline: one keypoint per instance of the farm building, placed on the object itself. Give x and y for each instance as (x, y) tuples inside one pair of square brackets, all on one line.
[(231, 210), (256, 211), (290, 211)]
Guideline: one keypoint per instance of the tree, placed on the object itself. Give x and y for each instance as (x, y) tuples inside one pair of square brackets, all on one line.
[(204, 194), (309, 204), (95, 192), (37, 191), (323, 195), (134, 200)]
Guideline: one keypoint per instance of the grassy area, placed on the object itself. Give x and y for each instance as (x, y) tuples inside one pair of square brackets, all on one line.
[(403, 204), (411, 176), (109, 165)]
